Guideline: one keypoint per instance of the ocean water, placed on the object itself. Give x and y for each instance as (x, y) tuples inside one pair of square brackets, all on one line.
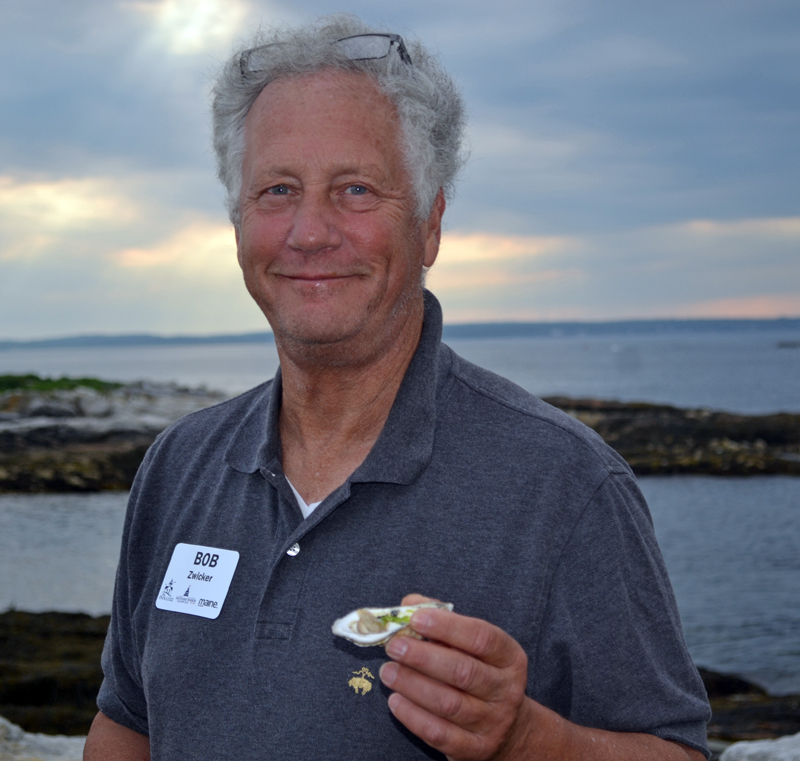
[(732, 545), (732, 548), (739, 372)]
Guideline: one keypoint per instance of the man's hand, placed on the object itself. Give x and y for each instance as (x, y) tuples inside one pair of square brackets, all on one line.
[(462, 692)]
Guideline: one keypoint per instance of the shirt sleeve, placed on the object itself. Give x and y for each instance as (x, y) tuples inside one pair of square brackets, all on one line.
[(611, 653)]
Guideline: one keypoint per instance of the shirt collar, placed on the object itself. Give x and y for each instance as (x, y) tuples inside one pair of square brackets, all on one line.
[(405, 444)]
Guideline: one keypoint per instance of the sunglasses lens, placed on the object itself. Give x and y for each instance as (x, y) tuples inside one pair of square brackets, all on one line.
[(364, 47)]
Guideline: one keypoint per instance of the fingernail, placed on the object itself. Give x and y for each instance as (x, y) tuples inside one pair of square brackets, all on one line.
[(388, 673), (394, 701), (396, 647), (421, 622)]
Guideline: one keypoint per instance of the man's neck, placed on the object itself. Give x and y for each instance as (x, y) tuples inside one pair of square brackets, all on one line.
[(332, 413)]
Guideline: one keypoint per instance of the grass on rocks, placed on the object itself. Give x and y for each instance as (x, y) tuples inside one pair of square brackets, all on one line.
[(31, 382)]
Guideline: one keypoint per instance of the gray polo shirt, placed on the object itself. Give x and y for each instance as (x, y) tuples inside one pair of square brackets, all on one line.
[(476, 493)]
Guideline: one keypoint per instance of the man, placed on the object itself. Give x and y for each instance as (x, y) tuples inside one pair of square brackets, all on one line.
[(377, 465)]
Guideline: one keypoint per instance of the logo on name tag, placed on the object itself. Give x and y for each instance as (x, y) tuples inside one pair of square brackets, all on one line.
[(167, 593)]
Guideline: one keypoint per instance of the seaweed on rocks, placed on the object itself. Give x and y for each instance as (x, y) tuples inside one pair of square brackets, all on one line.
[(658, 439), (742, 710), (50, 670), (50, 674), (31, 382)]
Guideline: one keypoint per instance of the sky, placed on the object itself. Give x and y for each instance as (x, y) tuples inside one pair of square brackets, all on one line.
[(627, 160)]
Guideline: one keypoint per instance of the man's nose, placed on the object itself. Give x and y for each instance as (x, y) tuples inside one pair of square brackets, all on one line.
[(314, 225)]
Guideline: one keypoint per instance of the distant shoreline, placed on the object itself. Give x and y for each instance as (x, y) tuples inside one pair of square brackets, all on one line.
[(482, 330)]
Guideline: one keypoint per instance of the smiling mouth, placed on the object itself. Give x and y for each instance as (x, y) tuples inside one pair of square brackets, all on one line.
[(317, 278)]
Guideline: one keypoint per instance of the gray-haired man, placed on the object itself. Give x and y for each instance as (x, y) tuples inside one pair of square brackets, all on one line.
[(378, 463)]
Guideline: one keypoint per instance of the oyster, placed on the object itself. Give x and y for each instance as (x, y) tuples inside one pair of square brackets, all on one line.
[(376, 626)]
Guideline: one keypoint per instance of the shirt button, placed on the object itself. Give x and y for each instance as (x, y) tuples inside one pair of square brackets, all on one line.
[(293, 550)]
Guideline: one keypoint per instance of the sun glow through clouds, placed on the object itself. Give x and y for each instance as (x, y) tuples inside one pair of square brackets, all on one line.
[(62, 204), (189, 27)]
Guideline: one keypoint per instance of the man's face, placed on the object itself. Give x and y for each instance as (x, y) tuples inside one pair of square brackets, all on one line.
[(328, 242)]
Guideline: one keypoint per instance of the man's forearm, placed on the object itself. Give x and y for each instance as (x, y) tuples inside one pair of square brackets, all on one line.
[(544, 735), (109, 741)]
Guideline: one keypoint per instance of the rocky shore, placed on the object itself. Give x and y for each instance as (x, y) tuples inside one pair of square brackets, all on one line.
[(93, 438), (85, 438), (660, 439), (50, 674)]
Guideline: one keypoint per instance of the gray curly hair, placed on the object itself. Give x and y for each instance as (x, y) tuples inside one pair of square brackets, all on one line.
[(429, 105)]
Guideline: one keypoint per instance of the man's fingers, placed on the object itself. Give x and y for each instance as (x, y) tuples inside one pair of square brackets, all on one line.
[(462, 689), (485, 641), (433, 696), (448, 666), (437, 732)]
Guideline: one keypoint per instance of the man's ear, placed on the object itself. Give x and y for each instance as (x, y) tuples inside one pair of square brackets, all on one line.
[(434, 229)]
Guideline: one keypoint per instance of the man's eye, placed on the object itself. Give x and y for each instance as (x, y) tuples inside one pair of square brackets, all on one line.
[(278, 190), (356, 190)]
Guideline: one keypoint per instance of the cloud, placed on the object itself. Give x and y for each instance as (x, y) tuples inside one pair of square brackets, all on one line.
[(458, 248), (627, 161), (202, 249), (185, 279), (474, 269), (614, 55), (766, 306), (37, 214), (191, 27), (697, 268), (785, 228), (67, 204), (495, 140)]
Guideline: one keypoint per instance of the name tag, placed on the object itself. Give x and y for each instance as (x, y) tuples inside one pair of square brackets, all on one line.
[(197, 580)]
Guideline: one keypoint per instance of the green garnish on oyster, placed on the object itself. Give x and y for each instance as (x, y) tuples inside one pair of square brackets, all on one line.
[(376, 626)]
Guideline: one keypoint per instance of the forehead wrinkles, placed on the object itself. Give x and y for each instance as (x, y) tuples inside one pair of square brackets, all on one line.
[(325, 87), (344, 109)]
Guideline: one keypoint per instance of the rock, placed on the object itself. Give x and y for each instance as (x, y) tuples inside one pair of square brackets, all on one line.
[(50, 670), (87, 440), (83, 439), (724, 685), (783, 749), (18, 745), (742, 710), (754, 717), (660, 439)]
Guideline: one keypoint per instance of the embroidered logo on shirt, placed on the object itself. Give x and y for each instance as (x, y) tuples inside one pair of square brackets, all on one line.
[(360, 681)]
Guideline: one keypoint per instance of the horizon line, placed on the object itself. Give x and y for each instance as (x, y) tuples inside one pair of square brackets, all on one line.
[(520, 328)]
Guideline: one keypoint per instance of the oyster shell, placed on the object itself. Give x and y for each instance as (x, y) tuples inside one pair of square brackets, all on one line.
[(376, 626)]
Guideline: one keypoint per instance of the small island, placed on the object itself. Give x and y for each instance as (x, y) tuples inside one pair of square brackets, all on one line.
[(85, 434)]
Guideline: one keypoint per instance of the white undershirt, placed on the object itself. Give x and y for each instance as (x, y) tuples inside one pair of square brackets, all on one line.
[(305, 508)]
